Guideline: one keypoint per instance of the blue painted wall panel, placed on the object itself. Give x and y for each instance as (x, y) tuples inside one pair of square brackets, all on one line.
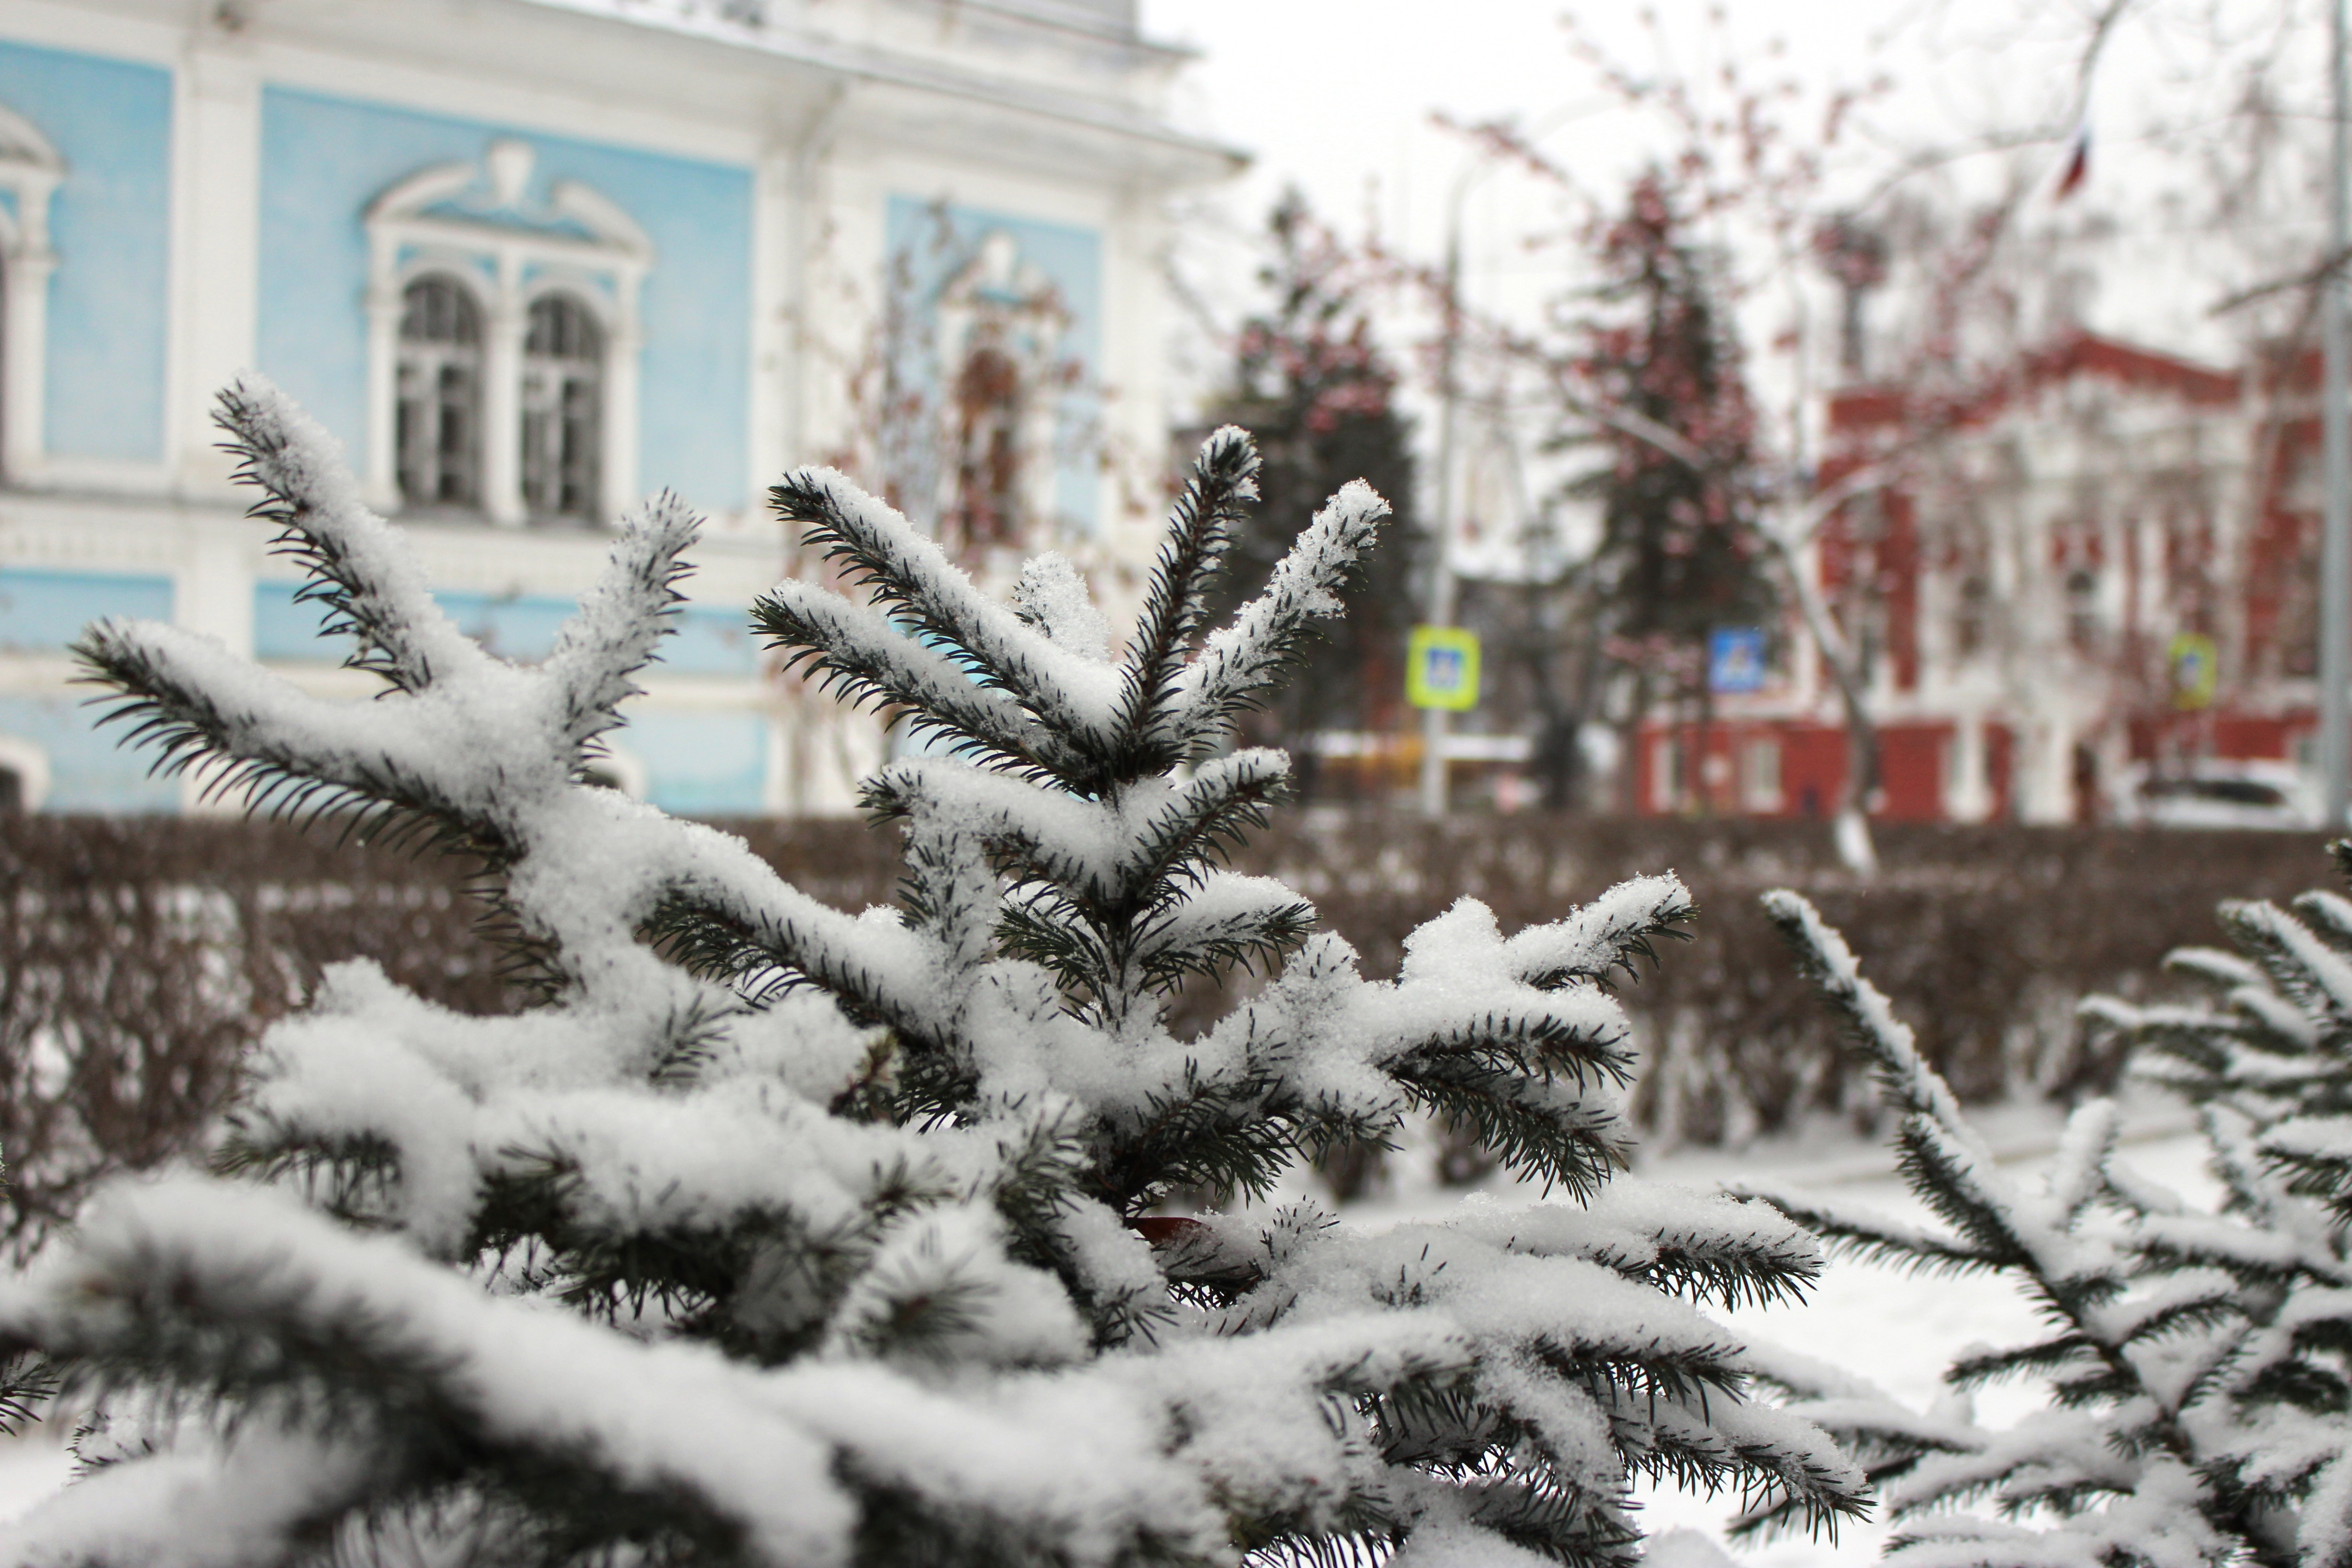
[(324, 159), (513, 627), (519, 628), (285, 629), (42, 612), (89, 769), (109, 223), (700, 764), (928, 242), (711, 642), (708, 641)]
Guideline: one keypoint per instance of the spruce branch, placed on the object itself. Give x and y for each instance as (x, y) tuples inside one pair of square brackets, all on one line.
[(934, 603), (1202, 527), (1241, 660), (353, 563)]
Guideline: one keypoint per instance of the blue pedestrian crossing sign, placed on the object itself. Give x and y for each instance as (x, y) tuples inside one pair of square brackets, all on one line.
[(1735, 659), (1441, 669)]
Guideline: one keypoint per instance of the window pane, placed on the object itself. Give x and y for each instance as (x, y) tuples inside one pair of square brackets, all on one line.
[(563, 409), (437, 423)]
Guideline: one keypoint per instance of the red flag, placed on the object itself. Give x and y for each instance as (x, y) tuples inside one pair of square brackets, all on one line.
[(2078, 164)]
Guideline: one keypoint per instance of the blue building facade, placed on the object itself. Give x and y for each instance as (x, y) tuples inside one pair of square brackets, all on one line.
[(529, 260)]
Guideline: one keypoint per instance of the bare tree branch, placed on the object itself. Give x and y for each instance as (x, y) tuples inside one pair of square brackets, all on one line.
[(2311, 277)]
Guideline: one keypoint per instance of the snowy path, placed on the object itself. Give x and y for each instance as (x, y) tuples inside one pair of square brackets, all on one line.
[(1896, 1329)]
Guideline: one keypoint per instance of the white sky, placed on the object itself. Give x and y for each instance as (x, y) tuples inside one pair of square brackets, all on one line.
[(1337, 96)]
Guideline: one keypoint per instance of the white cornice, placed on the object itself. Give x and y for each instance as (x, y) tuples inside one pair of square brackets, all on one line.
[(694, 84), (879, 68)]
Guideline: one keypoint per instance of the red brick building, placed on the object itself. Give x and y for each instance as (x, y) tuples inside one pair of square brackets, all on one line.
[(2017, 598)]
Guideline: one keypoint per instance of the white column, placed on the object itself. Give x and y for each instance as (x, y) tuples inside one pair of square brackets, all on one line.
[(815, 264), (2045, 791), (1971, 799), (211, 593), (620, 424), (215, 249), (768, 441), (384, 313), (24, 442), (1135, 339), (502, 397)]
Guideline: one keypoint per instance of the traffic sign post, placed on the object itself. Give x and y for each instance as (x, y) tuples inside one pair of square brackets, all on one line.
[(1735, 659), (1441, 669), (2195, 665)]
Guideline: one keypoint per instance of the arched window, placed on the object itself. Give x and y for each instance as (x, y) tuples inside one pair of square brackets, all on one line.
[(563, 409), (439, 433), (560, 269), (24, 775)]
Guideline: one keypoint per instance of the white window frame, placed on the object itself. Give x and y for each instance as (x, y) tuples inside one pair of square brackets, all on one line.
[(30, 171), (509, 266), (603, 361)]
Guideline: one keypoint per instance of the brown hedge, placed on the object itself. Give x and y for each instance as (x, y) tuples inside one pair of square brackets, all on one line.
[(138, 957)]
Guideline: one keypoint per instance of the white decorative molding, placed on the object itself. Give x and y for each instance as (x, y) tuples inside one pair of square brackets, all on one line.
[(478, 224), (30, 171), (30, 764)]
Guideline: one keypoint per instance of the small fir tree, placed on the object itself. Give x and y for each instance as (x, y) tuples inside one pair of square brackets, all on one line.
[(1679, 554), (2200, 1405), (774, 1235)]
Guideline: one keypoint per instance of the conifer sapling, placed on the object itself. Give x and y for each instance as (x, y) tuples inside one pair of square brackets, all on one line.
[(2201, 1399), (778, 1235)]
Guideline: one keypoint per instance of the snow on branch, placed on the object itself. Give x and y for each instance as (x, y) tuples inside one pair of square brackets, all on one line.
[(1608, 934), (912, 580), (770, 1234), (1202, 527), (1242, 659), (359, 566)]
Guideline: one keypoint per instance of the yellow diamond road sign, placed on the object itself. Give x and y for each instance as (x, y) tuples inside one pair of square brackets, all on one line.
[(2196, 665), (1441, 669)]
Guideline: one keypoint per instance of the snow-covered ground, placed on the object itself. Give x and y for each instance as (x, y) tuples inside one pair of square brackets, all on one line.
[(1898, 1329)]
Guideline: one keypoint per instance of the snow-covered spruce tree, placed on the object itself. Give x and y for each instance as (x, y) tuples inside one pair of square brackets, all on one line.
[(2200, 1410), (775, 1234)]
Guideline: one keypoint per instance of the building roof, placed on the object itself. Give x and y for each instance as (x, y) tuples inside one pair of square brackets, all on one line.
[(2077, 355), (1025, 51)]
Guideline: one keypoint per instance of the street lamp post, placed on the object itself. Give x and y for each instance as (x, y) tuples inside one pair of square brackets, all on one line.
[(1435, 722), (2336, 419), (1435, 782)]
